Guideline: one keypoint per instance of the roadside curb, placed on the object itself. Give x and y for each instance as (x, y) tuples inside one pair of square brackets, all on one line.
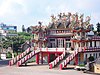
[(92, 73)]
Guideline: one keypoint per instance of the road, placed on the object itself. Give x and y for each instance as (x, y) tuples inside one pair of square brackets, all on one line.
[(34, 69)]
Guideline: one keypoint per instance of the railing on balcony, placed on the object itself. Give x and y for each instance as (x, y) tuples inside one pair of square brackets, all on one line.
[(52, 49), (81, 38), (96, 38), (61, 32), (92, 48)]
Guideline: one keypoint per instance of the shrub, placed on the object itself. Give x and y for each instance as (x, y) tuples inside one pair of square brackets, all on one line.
[(9, 55), (91, 58)]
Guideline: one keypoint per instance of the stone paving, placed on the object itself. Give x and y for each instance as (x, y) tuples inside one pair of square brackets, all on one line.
[(34, 69)]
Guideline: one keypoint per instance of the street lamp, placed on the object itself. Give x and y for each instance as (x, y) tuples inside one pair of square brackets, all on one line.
[(12, 47), (1, 50)]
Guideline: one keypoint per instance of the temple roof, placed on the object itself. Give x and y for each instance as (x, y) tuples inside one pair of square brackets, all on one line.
[(65, 21), (69, 20)]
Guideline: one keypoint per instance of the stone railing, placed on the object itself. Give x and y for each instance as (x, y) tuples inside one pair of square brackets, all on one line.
[(61, 32), (92, 48), (52, 49), (17, 58), (69, 58), (58, 59), (27, 57)]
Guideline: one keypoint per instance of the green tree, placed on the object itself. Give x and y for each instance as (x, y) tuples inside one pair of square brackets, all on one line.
[(98, 28), (91, 58), (16, 41), (23, 28)]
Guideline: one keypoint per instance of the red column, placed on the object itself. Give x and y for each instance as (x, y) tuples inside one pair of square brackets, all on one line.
[(76, 60), (48, 58), (41, 57), (37, 58), (60, 66), (64, 43), (9, 63)]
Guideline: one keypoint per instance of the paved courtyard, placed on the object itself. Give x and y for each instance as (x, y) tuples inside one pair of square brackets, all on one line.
[(34, 69)]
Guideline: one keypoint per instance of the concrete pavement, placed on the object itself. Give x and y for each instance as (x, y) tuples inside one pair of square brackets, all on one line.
[(34, 69)]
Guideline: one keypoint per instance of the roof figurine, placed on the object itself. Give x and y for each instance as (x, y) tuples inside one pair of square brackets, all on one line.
[(81, 20), (87, 21), (60, 15), (53, 18)]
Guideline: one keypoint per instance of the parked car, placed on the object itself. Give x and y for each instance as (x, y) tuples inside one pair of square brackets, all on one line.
[(80, 68)]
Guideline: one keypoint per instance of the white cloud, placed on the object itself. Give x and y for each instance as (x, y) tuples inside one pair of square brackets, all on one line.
[(12, 7), (28, 12), (95, 18)]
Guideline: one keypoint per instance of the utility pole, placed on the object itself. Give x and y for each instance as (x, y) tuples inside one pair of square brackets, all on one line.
[(1, 50), (0, 43), (98, 28)]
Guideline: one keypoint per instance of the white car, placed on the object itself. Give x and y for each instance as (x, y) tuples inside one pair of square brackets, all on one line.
[(79, 68)]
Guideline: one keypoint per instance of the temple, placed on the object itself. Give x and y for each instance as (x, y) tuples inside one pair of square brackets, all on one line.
[(68, 39)]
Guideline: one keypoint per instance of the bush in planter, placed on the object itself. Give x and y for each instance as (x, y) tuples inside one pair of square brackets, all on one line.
[(91, 58), (9, 55), (91, 67), (81, 65)]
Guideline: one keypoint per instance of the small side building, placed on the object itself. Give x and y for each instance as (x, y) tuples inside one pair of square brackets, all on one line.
[(97, 66)]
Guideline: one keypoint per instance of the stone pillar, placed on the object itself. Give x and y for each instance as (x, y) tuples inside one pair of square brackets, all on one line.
[(48, 58), (80, 44), (76, 59), (65, 42), (93, 43), (41, 57), (37, 58)]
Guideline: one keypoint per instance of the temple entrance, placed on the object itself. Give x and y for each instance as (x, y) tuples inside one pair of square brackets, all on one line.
[(60, 42), (52, 43), (68, 44)]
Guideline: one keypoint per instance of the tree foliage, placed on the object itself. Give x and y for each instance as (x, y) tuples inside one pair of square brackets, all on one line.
[(16, 41), (98, 28), (91, 58), (23, 28)]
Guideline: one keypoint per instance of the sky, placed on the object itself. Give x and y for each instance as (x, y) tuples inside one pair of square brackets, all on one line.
[(29, 12)]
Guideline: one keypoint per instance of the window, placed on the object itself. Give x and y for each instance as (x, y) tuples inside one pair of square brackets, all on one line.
[(83, 34), (86, 56), (63, 43), (79, 57), (90, 55), (15, 27), (69, 44), (78, 33), (52, 39), (96, 55), (90, 43), (60, 43), (62, 31), (7, 28), (53, 32), (94, 43), (68, 39), (99, 54)]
